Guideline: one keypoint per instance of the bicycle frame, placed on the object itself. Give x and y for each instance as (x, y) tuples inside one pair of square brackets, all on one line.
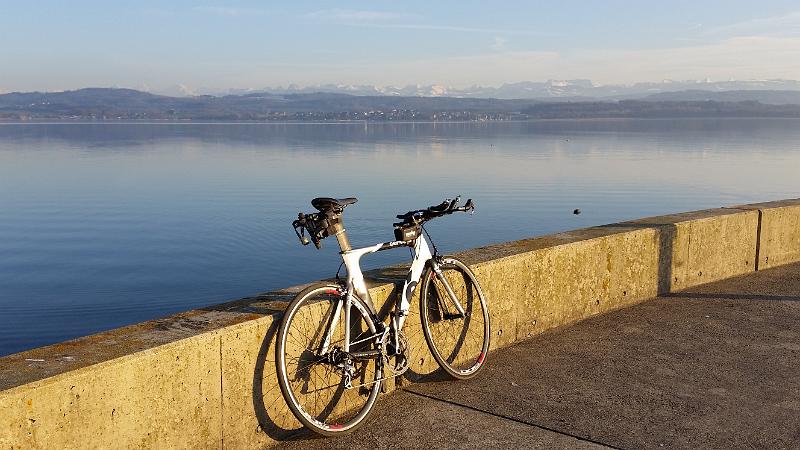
[(356, 286)]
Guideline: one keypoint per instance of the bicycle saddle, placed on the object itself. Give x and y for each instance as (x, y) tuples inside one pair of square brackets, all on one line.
[(337, 204)]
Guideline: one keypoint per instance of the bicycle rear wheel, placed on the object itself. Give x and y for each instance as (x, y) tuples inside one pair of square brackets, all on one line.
[(312, 380), (458, 342)]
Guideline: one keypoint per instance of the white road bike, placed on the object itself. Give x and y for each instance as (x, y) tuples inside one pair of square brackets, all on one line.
[(332, 350)]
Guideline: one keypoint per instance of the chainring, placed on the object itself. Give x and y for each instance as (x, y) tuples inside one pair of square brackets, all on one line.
[(398, 361)]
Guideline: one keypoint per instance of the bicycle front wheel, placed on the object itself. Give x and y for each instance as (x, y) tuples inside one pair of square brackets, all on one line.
[(314, 368), (459, 342)]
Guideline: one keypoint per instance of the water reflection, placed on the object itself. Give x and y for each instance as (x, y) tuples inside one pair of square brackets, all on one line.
[(107, 224)]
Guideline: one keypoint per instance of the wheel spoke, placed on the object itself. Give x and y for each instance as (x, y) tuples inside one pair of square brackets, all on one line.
[(315, 383), (456, 341)]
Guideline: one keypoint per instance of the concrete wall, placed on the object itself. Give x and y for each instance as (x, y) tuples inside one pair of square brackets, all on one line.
[(206, 378), (779, 232)]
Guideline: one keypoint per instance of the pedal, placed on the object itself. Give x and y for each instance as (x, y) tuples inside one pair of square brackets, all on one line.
[(449, 316)]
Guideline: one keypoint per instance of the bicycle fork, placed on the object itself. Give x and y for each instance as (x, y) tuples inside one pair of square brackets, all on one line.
[(440, 276)]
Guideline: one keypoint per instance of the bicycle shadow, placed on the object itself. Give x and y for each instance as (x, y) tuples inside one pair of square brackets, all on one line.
[(268, 418), (273, 415)]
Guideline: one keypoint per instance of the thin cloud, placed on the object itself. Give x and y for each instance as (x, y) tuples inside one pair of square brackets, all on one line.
[(739, 58), (398, 20), (783, 25), (409, 26), (227, 11), (751, 57), (157, 12), (352, 16), (499, 44)]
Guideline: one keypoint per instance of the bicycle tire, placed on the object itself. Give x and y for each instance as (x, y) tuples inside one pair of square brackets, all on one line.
[(459, 344), (341, 410)]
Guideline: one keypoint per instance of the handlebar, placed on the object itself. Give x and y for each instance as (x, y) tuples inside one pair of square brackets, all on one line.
[(448, 206), (318, 224)]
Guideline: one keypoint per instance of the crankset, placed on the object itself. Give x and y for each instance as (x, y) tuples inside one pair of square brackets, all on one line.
[(396, 360)]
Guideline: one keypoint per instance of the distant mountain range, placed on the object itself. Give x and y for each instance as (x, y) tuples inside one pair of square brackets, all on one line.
[(769, 97), (551, 89), (129, 104)]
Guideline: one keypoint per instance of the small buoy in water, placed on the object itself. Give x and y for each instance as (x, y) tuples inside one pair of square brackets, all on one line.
[(576, 211)]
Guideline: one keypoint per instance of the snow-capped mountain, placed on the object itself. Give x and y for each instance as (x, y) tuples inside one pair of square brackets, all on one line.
[(551, 89)]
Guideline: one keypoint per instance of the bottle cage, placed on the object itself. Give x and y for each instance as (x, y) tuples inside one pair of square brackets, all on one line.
[(315, 224)]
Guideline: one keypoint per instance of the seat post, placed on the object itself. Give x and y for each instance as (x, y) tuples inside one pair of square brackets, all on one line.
[(336, 228)]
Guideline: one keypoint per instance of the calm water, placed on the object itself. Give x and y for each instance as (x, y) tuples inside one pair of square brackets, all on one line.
[(103, 225)]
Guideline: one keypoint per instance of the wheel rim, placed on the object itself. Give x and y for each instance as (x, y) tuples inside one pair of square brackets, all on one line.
[(459, 343), (314, 386)]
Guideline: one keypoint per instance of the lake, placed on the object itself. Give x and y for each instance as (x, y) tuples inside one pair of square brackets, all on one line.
[(108, 224)]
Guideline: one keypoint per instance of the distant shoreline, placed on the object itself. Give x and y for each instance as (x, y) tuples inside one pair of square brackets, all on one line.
[(114, 105), (371, 122)]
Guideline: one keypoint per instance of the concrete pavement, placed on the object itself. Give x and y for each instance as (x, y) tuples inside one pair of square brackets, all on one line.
[(714, 366)]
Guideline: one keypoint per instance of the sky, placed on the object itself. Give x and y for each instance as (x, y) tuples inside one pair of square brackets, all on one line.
[(155, 45)]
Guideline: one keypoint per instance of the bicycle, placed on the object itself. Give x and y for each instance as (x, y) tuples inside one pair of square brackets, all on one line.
[(330, 367)]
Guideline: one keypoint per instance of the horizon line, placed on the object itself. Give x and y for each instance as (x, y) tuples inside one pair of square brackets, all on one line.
[(293, 86)]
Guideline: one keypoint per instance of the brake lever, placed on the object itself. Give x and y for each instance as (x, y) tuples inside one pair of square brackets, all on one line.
[(469, 206), (301, 235), (451, 208)]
